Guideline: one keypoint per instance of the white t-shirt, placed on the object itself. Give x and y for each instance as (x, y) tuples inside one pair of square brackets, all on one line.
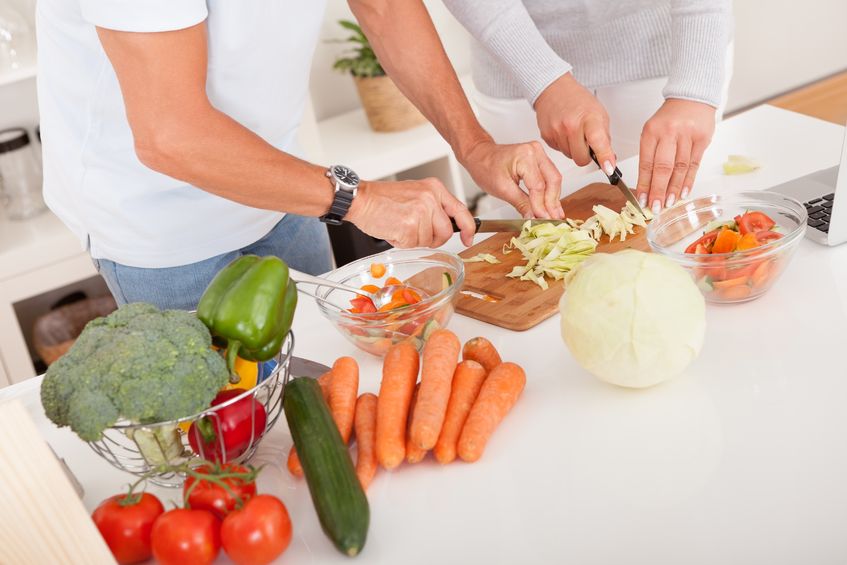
[(260, 54)]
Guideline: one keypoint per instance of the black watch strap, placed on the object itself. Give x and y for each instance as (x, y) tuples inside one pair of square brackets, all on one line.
[(340, 206)]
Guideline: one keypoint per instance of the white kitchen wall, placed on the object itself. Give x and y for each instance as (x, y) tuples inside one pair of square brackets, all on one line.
[(783, 44), (779, 45), (334, 93)]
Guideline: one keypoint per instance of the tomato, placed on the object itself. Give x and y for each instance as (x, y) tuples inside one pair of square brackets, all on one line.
[(706, 241), (765, 236), (362, 305), (126, 525), (186, 537), (751, 222), (207, 495), (258, 533), (227, 433)]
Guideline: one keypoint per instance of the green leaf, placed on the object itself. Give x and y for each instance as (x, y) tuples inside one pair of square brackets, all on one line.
[(360, 61)]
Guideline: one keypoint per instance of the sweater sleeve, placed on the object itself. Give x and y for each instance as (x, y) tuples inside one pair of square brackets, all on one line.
[(506, 30), (700, 34)]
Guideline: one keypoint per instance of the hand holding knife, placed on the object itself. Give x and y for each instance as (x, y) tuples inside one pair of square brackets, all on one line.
[(616, 179)]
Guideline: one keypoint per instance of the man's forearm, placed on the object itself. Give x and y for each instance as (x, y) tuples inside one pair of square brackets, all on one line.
[(217, 153), (407, 45)]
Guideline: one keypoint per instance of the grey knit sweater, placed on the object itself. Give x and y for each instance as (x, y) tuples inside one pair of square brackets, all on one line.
[(523, 46)]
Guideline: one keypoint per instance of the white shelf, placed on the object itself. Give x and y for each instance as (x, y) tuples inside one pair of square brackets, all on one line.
[(29, 244), (349, 140), (18, 75)]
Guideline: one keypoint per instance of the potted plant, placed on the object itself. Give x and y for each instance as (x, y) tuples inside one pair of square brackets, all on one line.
[(385, 106)]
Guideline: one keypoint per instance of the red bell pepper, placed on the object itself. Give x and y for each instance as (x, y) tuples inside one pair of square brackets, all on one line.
[(229, 431)]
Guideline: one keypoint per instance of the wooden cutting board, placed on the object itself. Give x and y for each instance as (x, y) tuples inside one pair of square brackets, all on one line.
[(523, 304)]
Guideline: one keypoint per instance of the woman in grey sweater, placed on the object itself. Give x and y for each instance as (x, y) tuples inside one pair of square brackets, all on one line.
[(660, 68)]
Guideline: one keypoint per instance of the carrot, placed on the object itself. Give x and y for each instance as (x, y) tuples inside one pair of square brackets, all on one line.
[(344, 387), (377, 270), (365, 423), (399, 373), (414, 454), (483, 352), (726, 241), (325, 380), (467, 381), (738, 292), (737, 281), (498, 394), (293, 464), (440, 355)]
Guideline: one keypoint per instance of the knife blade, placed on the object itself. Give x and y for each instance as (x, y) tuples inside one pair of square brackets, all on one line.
[(300, 367), (492, 226), (616, 179)]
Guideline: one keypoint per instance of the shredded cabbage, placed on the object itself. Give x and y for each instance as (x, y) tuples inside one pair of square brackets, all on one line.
[(607, 221), (482, 257), (739, 165), (551, 250)]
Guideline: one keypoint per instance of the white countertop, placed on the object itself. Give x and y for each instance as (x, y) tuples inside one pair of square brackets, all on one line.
[(741, 460)]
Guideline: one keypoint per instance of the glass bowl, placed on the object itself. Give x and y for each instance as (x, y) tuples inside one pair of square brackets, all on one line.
[(741, 275), (436, 275)]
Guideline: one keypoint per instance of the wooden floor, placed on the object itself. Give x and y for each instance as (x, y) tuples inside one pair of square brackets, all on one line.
[(825, 99)]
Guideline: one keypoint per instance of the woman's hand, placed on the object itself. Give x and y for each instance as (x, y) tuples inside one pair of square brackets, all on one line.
[(499, 170), (672, 144), (571, 119)]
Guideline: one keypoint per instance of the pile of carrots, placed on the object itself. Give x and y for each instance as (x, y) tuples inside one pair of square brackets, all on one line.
[(452, 412)]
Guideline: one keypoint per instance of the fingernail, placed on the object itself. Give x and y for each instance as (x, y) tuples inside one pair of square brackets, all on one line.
[(657, 206), (671, 199), (684, 193), (642, 200), (607, 166)]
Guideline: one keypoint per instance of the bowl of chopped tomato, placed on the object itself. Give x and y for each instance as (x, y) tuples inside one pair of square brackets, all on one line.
[(413, 293), (734, 246)]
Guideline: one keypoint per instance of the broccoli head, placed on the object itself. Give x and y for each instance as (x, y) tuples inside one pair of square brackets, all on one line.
[(139, 364)]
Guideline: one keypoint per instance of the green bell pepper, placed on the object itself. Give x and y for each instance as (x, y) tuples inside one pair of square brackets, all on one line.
[(250, 304)]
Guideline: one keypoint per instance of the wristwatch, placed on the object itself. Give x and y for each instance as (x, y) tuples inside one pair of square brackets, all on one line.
[(346, 183)]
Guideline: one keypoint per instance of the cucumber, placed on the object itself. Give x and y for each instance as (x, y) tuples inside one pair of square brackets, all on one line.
[(339, 500), (446, 281)]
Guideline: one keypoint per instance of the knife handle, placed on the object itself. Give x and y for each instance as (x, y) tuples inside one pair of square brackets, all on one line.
[(614, 177), (456, 228)]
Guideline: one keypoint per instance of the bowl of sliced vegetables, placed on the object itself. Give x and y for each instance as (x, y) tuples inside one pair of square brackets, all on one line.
[(423, 286), (734, 246)]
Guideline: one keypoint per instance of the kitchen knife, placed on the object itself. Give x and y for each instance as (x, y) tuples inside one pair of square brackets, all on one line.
[(491, 226), (616, 179), (300, 367)]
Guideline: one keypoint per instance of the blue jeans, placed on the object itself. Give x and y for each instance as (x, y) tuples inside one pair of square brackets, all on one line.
[(301, 242)]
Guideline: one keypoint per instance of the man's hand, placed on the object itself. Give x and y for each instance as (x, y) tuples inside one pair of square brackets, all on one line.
[(672, 144), (499, 170), (410, 213), (571, 120)]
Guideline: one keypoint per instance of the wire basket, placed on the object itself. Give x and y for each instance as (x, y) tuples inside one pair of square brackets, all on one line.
[(141, 448)]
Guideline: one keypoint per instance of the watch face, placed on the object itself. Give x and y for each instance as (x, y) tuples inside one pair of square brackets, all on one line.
[(345, 175)]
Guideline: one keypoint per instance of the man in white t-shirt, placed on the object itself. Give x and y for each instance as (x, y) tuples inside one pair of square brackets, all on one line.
[(169, 139)]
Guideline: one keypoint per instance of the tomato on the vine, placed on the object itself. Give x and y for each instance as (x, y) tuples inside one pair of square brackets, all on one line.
[(209, 494), (182, 536), (257, 533), (126, 521)]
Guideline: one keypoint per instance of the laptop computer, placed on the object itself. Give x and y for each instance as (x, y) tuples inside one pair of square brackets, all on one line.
[(824, 193)]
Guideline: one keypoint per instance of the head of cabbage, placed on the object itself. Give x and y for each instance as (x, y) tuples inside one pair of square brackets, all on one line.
[(632, 319)]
